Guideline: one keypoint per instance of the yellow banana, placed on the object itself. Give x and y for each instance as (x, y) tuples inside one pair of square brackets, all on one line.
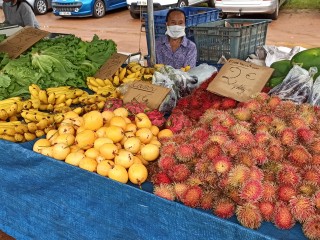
[(126, 80), (33, 91), (78, 110), (116, 80), (117, 72), (51, 98), (39, 133), (100, 82), (58, 118), (7, 137), (61, 99), (78, 92), (7, 131), (36, 86), (132, 75), (29, 136), (21, 128), (18, 137), (43, 96), (132, 64), (42, 124), (10, 101), (122, 73), (101, 104), (136, 68), (142, 70), (50, 107), (129, 71), (107, 82), (3, 114), (68, 102), (12, 109), (75, 101), (93, 82), (27, 104), (58, 89), (43, 107), (13, 118)]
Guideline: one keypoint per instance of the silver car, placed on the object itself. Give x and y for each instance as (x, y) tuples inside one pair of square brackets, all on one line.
[(241, 7), (39, 6)]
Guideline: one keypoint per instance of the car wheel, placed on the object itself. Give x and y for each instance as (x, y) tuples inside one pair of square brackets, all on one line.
[(274, 16), (99, 10), (211, 3), (182, 3), (40, 7), (135, 15)]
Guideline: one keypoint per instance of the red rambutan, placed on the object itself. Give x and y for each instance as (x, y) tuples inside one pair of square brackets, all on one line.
[(286, 192), (212, 150), (305, 135), (288, 137), (289, 175), (316, 200), (194, 179), (179, 173), (192, 196), (269, 191), (299, 156), (242, 114), (315, 146), (307, 188), (227, 103), (244, 139), (185, 152), (238, 175), (251, 191), (297, 122), (262, 128), (262, 137), (277, 125), (202, 165), (230, 148), (256, 173), (275, 153), (259, 155), (168, 148), (200, 133), (244, 158), (218, 138), (283, 218), (222, 164), (165, 162), (252, 104), (184, 102), (164, 191), (301, 207), (273, 102), (267, 210), (311, 227), (311, 174), (262, 119), (207, 200), (224, 208), (179, 189), (249, 215), (315, 159), (160, 178)]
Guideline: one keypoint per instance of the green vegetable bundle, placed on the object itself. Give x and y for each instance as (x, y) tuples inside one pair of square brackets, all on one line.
[(52, 62)]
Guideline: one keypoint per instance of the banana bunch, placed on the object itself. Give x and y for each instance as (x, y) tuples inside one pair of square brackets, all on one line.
[(18, 131), (56, 99), (93, 99), (11, 108), (133, 72), (186, 68), (102, 87)]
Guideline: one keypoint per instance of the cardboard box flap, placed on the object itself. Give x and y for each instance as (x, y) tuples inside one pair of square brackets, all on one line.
[(145, 92), (240, 80), (111, 66), (20, 41)]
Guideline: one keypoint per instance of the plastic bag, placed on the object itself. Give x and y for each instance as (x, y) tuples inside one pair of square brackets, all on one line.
[(180, 83), (314, 98), (202, 72), (297, 85)]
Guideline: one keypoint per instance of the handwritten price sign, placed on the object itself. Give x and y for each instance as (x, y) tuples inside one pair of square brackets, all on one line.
[(21, 41), (111, 66), (240, 80), (144, 92)]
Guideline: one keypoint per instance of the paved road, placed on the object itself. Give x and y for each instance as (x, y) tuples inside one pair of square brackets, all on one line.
[(291, 29)]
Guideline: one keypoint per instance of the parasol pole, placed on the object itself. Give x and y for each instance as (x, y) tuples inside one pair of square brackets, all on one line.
[(151, 33)]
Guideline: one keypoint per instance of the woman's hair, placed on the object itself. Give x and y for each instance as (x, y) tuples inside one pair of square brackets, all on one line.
[(21, 1), (174, 10)]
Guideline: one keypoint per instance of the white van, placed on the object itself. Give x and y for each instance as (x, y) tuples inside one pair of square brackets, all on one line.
[(138, 7)]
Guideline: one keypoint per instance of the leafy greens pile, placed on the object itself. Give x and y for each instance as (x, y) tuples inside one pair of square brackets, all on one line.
[(51, 62)]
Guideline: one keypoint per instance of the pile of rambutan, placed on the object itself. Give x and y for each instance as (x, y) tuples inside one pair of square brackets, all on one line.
[(259, 161)]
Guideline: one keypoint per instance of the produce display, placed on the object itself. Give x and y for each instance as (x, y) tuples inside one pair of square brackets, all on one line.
[(107, 143), (53, 62)]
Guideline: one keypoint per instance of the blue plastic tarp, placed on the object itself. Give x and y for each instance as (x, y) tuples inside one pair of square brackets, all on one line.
[(43, 198)]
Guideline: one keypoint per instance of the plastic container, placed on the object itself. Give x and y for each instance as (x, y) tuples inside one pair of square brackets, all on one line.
[(194, 16), (231, 38)]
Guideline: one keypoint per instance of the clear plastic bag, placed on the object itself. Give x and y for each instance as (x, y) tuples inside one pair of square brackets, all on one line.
[(297, 85), (202, 72), (314, 98)]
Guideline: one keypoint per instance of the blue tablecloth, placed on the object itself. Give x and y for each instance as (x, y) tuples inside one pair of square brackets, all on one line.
[(43, 198)]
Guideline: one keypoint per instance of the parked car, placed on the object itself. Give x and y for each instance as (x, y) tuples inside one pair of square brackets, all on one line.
[(270, 7), (85, 8), (138, 7), (40, 7)]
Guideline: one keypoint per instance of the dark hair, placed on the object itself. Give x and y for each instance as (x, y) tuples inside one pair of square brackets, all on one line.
[(176, 10)]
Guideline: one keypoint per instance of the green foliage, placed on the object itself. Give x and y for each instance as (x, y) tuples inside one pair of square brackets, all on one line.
[(53, 62), (302, 4)]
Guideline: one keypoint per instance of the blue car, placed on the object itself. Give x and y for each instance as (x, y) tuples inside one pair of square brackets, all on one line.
[(85, 8)]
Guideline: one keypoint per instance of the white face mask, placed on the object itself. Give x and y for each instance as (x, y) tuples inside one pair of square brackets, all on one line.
[(176, 31)]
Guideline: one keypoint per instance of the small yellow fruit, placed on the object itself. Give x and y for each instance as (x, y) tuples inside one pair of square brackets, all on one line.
[(70, 115), (93, 120), (155, 130), (100, 141), (66, 129), (107, 115), (131, 127), (100, 158), (124, 158), (85, 139), (60, 151), (92, 153), (115, 133), (121, 111), (118, 173), (164, 133), (52, 133), (127, 120), (137, 173), (88, 164), (118, 121), (101, 132), (104, 167), (142, 122), (136, 160), (109, 150), (132, 145), (150, 152), (40, 144), (75, 148), (67, 139), (74, 158), (47, 151), (144, 134), (155, 142)]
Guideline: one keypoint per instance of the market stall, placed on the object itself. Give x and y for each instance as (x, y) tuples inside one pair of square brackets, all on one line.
[(227, 149)]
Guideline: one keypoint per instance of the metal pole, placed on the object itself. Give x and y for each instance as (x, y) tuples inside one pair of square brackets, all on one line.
[(151, 34)]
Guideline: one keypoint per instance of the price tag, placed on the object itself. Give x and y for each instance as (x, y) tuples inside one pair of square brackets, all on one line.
[(111, 66), (240, 80), (144, 92), (17, 43)]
